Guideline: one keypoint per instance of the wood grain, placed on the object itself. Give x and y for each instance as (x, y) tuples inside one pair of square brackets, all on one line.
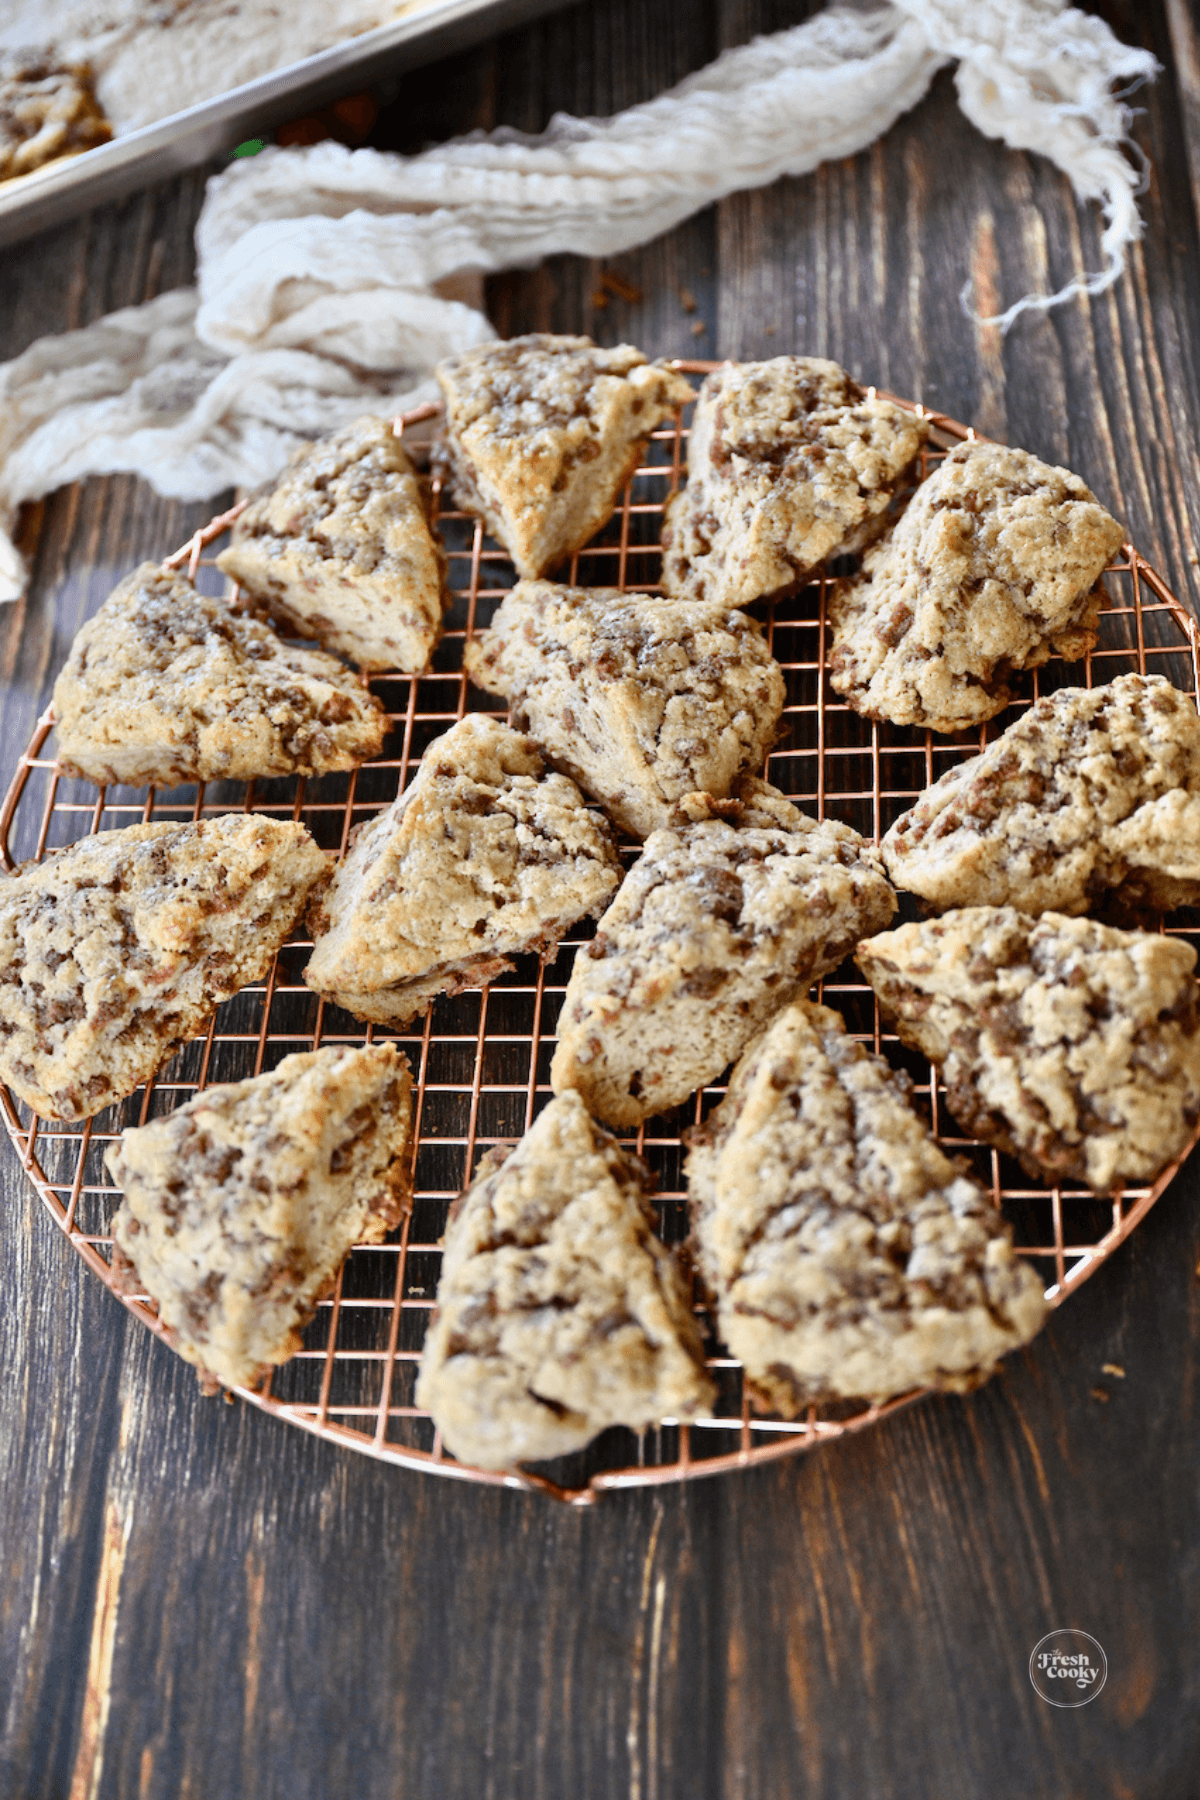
[(200, 1601)]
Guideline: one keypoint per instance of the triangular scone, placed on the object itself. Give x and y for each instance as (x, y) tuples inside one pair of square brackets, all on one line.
[(721, 921), (542, 433), (789, 463), (1092, 792), (240, 1206), (114, 952), (482, 856), (1072, 1046), (849, 1258), (559, 1312), (167, 685), (640, 701), (340, 550), (991, 569)]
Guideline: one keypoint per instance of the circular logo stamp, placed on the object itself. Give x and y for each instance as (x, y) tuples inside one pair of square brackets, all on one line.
[(1068, 1668)]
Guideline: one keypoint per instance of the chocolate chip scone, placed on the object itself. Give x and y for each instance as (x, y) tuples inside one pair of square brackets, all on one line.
[(542, 433), (789, 463), (848, 1257), (114, 952), (47, 109), (640, 701), (484, 855), (167, 685), (559, 1312), (991, 569), (1072, 1046), (1092, 795), (340, 550), (725, 917), (241, 1206)]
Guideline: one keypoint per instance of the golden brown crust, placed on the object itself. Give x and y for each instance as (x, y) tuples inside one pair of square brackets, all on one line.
[(114, 952), (483, 856), (1091, 796), (340, 549), (543, 432), (166, 685), (1073, 1046), (639, 700), (848, 1256), (240, 1206), (559, 1312), (789, 463), (47, 110), (717, 925), (991, 569)]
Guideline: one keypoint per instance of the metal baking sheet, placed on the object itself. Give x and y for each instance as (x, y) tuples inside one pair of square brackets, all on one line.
[(73, 185)]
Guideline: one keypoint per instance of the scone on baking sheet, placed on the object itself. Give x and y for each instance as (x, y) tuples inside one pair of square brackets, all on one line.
[(340, 549), (991, 569), (726, 916), (1093, 794), (542, 433), (166, 685), (559, 1312), (1071, 1045), (640, 701), (483, 856), (789, 463), (240, 1207), (114, 952), (847, 1256), (47, 109)]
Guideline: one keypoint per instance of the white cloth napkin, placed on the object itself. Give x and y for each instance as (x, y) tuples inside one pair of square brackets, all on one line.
[(330, 281)]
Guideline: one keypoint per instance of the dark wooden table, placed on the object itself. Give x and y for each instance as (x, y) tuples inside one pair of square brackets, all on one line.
[(199, 1601)]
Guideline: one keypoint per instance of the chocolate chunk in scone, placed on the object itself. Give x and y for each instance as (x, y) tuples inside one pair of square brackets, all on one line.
[(790, 462), (340, 550), (1072, 1046), (1091, 797), (992, 568), (847, 1256), (114, 952), (559, 1311), (483, 856), (542, 433), (166, 685), (725, 917), (640, 701), (240, 1207)]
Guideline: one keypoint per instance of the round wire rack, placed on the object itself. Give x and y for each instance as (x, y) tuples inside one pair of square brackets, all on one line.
[(481, 1060)]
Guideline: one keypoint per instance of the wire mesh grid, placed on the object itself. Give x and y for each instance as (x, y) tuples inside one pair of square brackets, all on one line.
[(481, 1059)]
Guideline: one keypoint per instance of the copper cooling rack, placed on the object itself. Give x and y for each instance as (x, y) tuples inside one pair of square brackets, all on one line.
[(481, 1060)]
